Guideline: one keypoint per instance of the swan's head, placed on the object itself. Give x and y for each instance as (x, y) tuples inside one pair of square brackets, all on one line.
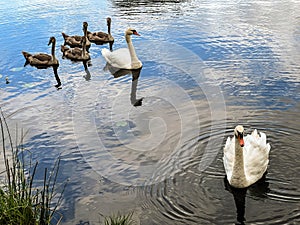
[(84, 26), (239, 134), (51, 40), (131, 31)]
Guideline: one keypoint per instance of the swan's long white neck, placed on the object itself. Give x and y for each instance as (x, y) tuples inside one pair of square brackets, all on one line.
[(238, 178), (134, 58)]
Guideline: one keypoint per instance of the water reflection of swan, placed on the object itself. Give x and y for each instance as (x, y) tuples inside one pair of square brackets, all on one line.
[(88, 74), (58, 85), (259, 189), (124, 58), (135, 76), (100, 38), (245, 159)]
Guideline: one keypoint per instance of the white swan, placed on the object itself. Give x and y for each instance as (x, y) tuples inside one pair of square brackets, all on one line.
[(123, 58), (245, 158)]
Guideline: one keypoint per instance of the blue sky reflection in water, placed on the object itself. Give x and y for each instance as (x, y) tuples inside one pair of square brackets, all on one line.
[(247, 61)]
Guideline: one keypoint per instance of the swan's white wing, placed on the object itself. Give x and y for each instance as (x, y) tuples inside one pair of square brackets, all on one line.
[(119, 58), (256, 156), (228, 157)]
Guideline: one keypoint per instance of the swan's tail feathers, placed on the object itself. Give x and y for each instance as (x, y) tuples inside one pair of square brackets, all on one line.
[(105, 52), (64, 35), (228, 156), (263, 142), (26, 56), (268, 148), (263, 137), (255, 134), (227, 145)]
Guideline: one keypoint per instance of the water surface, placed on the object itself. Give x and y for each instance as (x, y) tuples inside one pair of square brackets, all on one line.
[(207, 66)]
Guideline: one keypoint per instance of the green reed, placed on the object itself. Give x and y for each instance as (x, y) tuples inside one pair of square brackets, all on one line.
[(119, 219), (21, 201)]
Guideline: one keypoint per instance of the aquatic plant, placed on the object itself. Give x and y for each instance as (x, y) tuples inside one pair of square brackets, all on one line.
[(22, 202), (119, 219)]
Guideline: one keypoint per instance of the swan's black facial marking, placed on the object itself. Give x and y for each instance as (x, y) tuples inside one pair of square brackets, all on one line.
[(239, 131), (108, 19), (51, 40), (84, 25), (239, 134), (135, 32)]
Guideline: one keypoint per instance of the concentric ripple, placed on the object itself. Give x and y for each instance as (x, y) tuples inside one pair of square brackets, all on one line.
[(191, 197)]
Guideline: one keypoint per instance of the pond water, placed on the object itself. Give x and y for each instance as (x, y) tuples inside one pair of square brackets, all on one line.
[(151, 141)]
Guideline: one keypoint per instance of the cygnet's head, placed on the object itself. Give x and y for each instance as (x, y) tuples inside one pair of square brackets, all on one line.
[(84, 26), (108, 20), (51, 40)]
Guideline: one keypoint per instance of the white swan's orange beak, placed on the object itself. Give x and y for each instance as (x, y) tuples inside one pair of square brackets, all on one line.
[(136, 33), (242, 143)]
